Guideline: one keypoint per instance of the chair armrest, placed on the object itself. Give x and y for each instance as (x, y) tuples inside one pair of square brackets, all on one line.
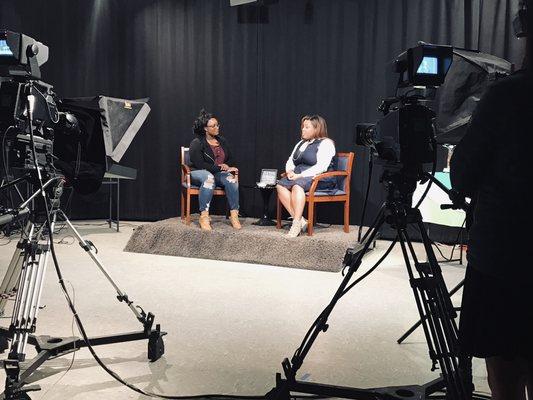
[(319, 177), (330, 174), (186, 174)]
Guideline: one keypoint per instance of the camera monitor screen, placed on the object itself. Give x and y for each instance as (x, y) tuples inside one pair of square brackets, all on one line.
[(4, 49), (429, 66)]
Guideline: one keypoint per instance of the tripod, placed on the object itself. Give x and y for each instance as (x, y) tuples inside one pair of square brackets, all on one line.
[(432, 301), (460, 203), (24, 280)]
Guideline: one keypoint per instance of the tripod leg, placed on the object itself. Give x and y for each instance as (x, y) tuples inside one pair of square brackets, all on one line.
[(32, 256), (11, 278), (29, 291), (89, 250), (35, 299), (419, 322), (374, 223), (410, 331), (457, 287), (418, 298), (436, 333), (433, 302), (10, 283), (462, 365), (23, 288), (321, 322)]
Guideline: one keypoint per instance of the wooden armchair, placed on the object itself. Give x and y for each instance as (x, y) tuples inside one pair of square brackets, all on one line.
[(340, 193), (188, 189)]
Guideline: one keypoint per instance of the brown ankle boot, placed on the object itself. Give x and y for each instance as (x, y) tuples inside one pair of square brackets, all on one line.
[(234, 219), (205, 222)]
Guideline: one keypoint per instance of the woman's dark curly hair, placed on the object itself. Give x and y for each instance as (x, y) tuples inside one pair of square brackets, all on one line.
[(200, 123)]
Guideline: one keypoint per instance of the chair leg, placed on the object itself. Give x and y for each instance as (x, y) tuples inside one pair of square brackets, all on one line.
[(278, 213), (347, 216), (310, 217), (188, 209), (182, 205)]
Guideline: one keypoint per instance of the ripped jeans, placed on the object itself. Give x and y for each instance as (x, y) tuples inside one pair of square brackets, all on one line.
[(207, 182)]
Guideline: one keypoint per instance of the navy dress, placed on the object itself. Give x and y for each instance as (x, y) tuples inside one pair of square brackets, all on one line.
[(304, 160)]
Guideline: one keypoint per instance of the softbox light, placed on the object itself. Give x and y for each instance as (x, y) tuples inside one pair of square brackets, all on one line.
[(469, 77), (108, 126), (121, 120)]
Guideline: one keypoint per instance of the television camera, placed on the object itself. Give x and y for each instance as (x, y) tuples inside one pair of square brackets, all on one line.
[(405, 135), (42, 146)]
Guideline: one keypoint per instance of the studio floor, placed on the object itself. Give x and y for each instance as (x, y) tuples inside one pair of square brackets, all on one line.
[(229, 324)]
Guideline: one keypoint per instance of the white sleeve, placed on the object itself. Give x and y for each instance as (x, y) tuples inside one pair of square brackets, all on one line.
[(289, 165), (326, 151)]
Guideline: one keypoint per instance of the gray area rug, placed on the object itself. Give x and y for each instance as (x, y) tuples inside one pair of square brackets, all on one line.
[(324, 251)]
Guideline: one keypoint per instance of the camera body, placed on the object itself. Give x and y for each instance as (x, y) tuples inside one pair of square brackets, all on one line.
[(28, 107), (405, 136)]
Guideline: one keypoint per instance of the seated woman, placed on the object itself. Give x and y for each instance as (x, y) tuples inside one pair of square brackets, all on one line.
[(211, 161), (313, 155)]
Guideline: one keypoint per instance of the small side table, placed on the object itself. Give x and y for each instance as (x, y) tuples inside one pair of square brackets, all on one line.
[(112, 178), (266, 192)]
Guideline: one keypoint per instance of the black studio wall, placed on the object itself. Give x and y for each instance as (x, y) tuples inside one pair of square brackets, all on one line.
[(318, 56)]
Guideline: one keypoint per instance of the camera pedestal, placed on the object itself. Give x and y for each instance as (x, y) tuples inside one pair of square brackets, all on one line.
[(24, 279)]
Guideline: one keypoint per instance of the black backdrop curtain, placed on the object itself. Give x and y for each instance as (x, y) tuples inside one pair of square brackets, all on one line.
[(312, 56)]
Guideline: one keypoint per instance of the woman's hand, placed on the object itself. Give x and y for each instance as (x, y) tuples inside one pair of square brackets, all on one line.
[(233, 169), (290, 174), (224, 167), (294, 176)]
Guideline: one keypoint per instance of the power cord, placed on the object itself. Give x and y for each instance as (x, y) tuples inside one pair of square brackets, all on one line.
[(74, 349), (437, 245), (363, 212)]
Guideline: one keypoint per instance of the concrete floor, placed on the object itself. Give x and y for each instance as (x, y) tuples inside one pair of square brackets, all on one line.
[(229, 324)]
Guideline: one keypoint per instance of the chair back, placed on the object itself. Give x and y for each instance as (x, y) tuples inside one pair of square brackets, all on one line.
[(185, 159), (344, 163)]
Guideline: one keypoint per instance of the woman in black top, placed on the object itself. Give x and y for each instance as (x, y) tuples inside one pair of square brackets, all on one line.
[(212, 165)]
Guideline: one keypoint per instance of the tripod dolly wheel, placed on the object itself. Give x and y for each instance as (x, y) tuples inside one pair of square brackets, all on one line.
[(156, 346)]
